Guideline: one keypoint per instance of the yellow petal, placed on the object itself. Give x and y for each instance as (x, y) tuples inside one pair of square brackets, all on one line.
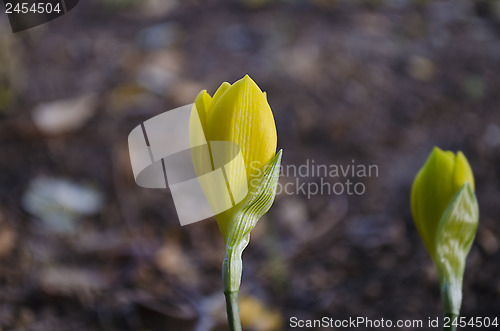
[(462, 172), (197, 129), (431, 194), (243, 116), (202, 103), (220, 91)]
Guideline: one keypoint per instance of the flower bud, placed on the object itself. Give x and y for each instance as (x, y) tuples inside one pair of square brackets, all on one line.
[(437, 182), (237, 113), (446, 214)]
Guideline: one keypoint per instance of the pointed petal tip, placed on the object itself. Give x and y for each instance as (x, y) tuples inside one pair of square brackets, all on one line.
[(247, 80), (201, 93), (436, 149)]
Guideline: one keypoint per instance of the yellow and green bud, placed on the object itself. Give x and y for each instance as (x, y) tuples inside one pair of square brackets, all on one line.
[(240, 114), (446, 215)]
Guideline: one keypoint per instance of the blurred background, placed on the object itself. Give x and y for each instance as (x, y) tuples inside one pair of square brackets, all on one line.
[(374, 82)]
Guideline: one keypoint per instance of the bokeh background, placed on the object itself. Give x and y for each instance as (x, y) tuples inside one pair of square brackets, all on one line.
[(82, 247)]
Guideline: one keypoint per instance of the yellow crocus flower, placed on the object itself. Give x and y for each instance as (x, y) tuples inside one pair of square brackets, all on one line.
[(233, 133), (237, 113)]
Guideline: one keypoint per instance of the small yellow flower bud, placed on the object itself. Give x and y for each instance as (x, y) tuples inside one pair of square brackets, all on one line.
[(437, 182)]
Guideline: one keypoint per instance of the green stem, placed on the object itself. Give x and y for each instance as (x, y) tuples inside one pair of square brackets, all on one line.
[(451, 296), (233, 311), (242, 220), (450, 326), (231, 277)]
